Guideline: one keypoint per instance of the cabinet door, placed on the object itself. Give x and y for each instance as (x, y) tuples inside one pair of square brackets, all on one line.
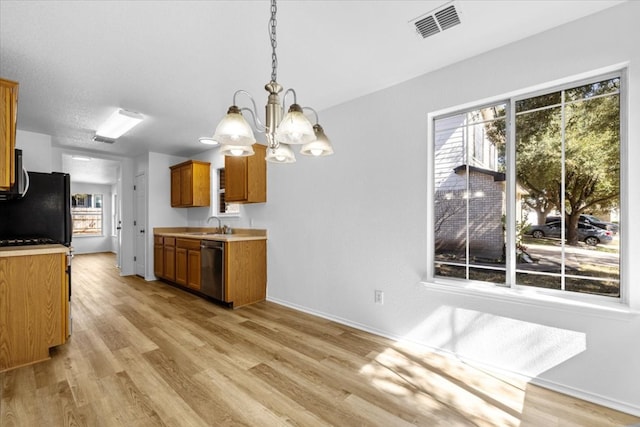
[(235, 175), (181, 266), (246, 177), (193, 267), (158, 259), (190, 184), (8, 118), (33, 307), (257, 175), (245, 266), (186, 185), (175, 188), (201, 188), (169, 262)]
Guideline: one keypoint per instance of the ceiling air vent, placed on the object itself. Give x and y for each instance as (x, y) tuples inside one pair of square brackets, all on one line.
[(437, 20), (98, 138)]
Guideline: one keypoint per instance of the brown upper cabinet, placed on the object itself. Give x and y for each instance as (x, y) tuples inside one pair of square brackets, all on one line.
[(246, 177), (8, 120), (191, 184)]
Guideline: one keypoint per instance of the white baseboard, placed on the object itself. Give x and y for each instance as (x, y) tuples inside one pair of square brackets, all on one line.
[(570, 391), (588, 396)]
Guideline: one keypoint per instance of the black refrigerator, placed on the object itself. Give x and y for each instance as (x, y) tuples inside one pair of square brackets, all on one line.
[(43, 213)]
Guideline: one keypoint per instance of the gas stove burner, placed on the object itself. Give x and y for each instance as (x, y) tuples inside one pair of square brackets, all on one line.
[(21, 241)]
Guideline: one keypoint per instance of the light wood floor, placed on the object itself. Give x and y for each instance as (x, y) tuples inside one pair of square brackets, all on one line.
[(147, 354)]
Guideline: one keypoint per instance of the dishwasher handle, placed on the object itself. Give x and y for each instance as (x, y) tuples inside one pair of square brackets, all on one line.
[(211, 244)]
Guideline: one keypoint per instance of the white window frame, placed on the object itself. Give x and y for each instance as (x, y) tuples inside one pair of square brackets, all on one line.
[(608, 306)]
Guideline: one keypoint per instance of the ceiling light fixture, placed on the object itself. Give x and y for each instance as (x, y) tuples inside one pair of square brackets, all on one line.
[(81, 158), (208, 140), (236, 136), (119, 123)]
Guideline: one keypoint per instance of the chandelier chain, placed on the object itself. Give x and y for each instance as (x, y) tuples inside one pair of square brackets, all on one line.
[(272, 25)]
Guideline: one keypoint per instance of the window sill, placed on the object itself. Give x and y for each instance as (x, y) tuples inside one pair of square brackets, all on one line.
[(534, 298)]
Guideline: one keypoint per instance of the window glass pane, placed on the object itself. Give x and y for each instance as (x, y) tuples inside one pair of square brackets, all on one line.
[(538, 143), (611, 86), (450, 188), (537, 102), (451, 270), (530, 278), (469, 203), (592, 188), (560, 239), (86, 213)]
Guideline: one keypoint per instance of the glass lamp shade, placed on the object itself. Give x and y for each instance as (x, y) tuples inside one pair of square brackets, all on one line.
[(320, 147), (295, 128), (282, 154), (236, 150), (233, 129)]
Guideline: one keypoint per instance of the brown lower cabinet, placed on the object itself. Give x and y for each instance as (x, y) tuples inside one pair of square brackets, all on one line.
[(245, 275), (34, 307), (245, 267), (169, 258), (188, 263)]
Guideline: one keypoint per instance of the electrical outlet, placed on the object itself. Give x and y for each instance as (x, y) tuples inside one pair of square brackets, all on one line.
[(378, 297)]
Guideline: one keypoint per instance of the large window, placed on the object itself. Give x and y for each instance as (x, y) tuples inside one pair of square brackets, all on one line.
[(526, 192), (86, 212)]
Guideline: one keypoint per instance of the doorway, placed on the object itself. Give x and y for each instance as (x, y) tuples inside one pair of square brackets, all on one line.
[(139, 224)]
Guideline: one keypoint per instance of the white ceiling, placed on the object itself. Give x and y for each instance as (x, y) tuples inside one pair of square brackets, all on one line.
[(179, 62)]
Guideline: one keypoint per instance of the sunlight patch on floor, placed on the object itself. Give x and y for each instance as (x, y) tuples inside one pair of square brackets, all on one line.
[(431, 381)]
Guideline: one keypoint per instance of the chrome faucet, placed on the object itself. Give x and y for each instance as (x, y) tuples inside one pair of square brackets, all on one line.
[(220, 230)]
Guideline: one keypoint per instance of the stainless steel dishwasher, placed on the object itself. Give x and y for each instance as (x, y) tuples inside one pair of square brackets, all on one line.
[(212, 268)]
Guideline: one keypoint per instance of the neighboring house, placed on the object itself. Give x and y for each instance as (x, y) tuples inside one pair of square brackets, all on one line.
[(469, 188)]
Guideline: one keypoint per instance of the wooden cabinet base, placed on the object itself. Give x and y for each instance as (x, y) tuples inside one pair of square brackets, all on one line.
[(34, 308), (245, 268), (245, 272)]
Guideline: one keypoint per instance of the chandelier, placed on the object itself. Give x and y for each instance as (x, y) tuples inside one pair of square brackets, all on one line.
[(236, 136)]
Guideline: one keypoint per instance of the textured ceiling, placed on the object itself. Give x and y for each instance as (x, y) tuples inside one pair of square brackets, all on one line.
[(91, 169), (179, 62)]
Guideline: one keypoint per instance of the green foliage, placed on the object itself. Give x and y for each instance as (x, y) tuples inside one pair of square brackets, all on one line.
[(591, 131)]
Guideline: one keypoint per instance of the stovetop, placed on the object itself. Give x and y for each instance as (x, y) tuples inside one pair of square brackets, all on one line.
[(21, 241)]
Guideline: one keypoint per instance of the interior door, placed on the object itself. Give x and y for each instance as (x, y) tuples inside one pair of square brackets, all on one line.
[(117, 242), (140, 222)]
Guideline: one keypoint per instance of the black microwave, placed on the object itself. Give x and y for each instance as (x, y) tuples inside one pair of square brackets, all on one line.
[(21, 181)]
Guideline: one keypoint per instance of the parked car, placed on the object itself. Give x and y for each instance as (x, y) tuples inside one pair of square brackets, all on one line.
[(590, 219), (587, 233), (600, 223)]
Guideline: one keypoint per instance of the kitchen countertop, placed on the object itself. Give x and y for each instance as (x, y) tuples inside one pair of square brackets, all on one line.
[(7, 251), (210, 233)]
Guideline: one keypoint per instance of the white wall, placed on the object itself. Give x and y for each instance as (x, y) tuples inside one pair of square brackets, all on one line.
[(342, 226), (159, 211), (94, 244), (36, 151)]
